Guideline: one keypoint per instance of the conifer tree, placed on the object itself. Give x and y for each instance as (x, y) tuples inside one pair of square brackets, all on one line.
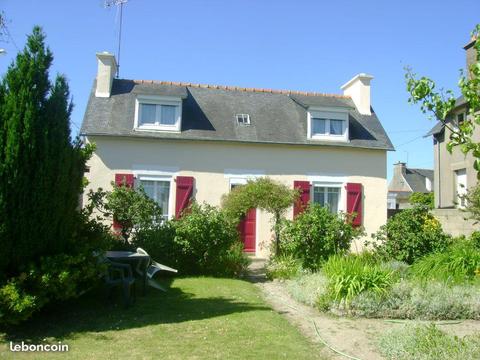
[(41, 169)]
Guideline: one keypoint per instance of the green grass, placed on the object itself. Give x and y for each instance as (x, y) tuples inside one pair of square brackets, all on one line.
[(198, 318), (427, 342)]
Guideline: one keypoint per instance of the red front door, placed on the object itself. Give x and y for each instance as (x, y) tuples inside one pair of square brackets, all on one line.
[(247, 228)]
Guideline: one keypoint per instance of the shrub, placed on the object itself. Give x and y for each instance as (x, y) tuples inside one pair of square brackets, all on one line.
[(56, 277), (422, 199), (159, 242), (427, 342), (409, 299), (315, 235), (131, 208), (308, 287), (283, 267), (351, 275), (202, 242), (475, 239), (458, 263), (409, 235)]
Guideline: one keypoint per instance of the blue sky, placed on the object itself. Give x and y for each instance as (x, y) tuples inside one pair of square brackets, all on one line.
[(298, 45)]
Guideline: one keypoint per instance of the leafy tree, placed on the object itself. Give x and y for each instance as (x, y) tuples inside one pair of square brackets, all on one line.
[(131, 208), (441, 103), (262, 193), (41, 170), (422, 199)]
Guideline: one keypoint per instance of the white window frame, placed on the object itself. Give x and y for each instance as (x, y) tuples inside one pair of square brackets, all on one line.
[(328, 184), (151, 176), (326, 114), (158, 100), (245, 117)]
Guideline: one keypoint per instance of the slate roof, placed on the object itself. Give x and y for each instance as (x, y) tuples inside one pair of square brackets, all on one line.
[(208, 113), (416, 179)]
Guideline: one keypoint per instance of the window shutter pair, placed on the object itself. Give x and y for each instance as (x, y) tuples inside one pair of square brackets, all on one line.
[(184, 191), (354, 200), (122, 180)]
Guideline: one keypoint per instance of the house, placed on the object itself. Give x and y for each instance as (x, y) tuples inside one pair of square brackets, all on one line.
[(453, 173), (405, 182), (182, 141)]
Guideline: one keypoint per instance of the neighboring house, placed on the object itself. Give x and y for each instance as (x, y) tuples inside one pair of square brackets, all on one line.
[(454, 173), (406, 181), (182, 141)]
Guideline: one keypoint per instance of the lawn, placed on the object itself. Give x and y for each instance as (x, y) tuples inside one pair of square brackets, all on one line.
[(198, 318)]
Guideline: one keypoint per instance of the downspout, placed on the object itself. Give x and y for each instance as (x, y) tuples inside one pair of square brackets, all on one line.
[(439, 178)]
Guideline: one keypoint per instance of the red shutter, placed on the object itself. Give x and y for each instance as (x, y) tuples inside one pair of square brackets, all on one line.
[(124, 179), (184, 194), (120, 180), (355, 202), (302, 202)]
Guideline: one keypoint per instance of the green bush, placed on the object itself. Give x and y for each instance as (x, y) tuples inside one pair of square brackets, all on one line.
[(283, 267), (409, 299), (458, 263), (351, 275), (410, 235), (315, 235), (475, 239), (427, 342), (422, 199), (56, 277), (202, 242)]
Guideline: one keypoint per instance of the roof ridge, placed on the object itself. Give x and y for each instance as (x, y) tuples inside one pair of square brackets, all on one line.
[(239, 88)]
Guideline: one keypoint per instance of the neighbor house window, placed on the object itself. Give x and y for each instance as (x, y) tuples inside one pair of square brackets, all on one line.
[(329, 125), (157, 113), (158, 189), (328, 196), (461, 187)]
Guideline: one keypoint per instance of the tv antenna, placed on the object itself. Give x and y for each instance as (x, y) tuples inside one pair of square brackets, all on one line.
[(108, 4)]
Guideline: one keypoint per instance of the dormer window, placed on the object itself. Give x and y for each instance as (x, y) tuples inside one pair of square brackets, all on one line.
[(158, 113), (243, 119), (328, 125)]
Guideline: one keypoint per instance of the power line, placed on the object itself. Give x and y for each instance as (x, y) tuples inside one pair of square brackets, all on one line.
[(410, 141)]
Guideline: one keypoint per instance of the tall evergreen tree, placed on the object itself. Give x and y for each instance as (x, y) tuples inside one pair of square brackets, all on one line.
[(41, 169)]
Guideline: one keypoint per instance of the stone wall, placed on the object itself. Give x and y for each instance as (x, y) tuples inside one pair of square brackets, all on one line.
[(453, 222)]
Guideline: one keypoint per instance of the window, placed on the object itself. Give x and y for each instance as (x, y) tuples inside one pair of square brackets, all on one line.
[(461, 186), (460, 119), (328, 125), (243, 119), (156, 113), (328, 196), (159, 191)]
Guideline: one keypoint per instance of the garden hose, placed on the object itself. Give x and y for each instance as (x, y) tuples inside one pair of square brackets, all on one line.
[(447, 322), (331, 347)]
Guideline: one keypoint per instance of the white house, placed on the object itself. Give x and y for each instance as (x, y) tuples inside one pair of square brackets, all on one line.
[(183, 141)]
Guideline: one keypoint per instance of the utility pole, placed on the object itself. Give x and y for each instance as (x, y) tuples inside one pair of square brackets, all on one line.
[(119, 3)]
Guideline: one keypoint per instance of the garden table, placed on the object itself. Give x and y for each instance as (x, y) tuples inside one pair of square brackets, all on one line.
[(131, 256)]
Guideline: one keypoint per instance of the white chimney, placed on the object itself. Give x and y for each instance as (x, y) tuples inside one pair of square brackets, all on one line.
[(358, 88), (107, 68)]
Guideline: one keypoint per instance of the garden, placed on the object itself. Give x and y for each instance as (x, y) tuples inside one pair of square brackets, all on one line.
[(410, 272)]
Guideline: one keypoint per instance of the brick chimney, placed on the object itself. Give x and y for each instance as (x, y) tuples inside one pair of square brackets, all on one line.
[(107, 68), (471, 54), (358, 88)]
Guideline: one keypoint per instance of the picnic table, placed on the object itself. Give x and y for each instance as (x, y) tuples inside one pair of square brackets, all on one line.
[(132, 257)]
